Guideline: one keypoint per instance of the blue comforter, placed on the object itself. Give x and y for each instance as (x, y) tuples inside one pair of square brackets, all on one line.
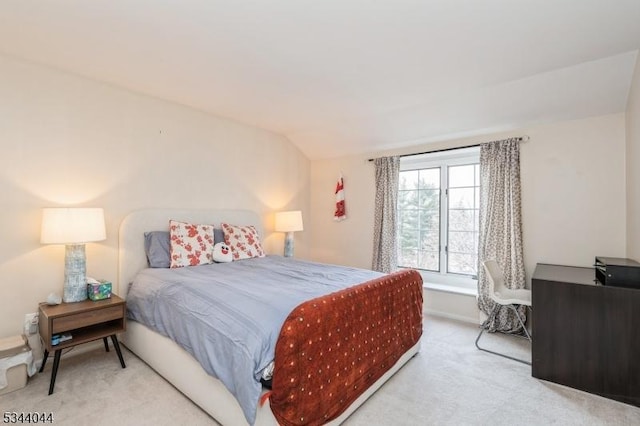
[(229, 315)]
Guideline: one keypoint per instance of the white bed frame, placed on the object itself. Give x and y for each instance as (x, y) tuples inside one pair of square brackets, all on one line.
[(167, 358)]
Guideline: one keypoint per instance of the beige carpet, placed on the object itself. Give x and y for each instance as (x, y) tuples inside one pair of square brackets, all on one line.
[(449, 382)]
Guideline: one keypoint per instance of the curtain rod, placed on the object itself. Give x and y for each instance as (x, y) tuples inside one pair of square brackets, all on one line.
[(520, 139)]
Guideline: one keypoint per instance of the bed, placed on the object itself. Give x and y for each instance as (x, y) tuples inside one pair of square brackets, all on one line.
[(291, 359)]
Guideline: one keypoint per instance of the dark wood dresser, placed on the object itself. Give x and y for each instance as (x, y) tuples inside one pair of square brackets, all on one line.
[(586, 335)]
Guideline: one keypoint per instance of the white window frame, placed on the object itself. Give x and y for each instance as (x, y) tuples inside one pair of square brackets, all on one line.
[(443, 280)]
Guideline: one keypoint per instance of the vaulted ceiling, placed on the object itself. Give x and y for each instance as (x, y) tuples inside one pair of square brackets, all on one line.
[(339, 77)]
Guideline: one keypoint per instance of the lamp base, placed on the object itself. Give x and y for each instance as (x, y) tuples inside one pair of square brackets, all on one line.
[(75, 273), (288, 245)]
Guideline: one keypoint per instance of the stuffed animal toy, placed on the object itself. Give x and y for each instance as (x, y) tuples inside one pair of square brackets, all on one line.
[(222, 253)]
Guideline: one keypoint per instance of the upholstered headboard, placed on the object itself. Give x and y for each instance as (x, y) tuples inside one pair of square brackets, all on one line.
[(132, 258)]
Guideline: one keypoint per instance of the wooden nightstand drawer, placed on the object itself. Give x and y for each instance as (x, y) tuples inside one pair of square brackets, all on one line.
[(85, 319)]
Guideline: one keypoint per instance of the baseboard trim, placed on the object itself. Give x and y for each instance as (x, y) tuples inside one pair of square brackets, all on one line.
[(448, 315)]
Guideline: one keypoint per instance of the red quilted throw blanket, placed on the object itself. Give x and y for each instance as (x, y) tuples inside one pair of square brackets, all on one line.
[(332, 348)]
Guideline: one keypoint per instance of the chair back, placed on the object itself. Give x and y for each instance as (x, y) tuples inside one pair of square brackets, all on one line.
[(496, 278)]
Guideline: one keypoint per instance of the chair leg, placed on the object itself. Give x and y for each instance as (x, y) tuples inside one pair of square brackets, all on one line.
[(482, 330), (524, 328)]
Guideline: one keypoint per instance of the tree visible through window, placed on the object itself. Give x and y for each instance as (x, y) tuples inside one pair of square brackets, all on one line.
[(438, 221), (419, 219)]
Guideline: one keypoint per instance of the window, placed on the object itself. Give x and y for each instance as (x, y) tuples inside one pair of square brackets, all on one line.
[(463, 210), (438, 212)]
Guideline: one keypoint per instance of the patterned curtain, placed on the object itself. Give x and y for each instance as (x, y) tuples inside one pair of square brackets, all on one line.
[(385, 254), (500, 227)]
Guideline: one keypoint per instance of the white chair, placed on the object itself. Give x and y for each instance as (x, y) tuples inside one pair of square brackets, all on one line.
[(504, 296)]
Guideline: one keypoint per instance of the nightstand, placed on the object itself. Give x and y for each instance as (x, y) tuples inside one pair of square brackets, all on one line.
[(86, 321)]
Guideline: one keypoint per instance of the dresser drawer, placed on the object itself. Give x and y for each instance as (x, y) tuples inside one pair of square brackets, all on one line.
[(85, 319)]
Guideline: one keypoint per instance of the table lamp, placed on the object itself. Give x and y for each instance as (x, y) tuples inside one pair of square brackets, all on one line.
[(73, 227), (289, 222)]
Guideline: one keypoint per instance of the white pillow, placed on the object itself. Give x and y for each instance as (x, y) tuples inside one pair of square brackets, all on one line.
[(244, 241), (191, 245)]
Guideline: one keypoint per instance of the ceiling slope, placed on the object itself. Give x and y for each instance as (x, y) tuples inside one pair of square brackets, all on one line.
[(340, 77)]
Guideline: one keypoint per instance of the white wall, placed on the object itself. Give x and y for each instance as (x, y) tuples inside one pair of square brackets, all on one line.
[(66, 140), (633, 169), (573, 183)]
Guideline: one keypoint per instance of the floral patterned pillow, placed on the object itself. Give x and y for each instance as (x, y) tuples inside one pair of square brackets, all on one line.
[(191, 245), (243, 241)]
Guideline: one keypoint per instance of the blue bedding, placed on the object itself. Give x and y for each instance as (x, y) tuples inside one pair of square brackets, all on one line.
[(229, 315)]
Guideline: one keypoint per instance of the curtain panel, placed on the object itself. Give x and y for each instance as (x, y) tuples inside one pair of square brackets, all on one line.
[(387, 174), (500, 228)]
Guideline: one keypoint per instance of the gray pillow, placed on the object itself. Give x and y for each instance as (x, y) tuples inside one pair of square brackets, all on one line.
[(157, 246), (218, 235)]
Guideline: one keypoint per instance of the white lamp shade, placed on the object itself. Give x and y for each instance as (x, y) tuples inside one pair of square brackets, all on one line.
[(72, 225), (289, 221)]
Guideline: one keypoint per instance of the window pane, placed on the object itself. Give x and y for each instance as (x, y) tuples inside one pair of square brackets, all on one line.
[(430, 240), (408, 258), (462, 242), (430, 199), (430, 219), (461, 220), (461, 176), (429, 260), (463, 204), (477, 173), (408, 238), (463, 264), (408, 219), (430, 178), (408, 199), (462, 198), (408, 180)]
